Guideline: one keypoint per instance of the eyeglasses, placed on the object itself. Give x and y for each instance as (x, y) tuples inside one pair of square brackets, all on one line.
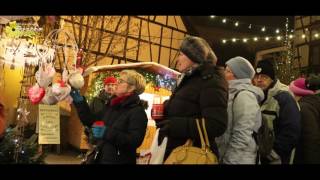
[(122, 81)]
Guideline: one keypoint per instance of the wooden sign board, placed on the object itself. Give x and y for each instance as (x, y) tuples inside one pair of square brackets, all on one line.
[(49, 124)]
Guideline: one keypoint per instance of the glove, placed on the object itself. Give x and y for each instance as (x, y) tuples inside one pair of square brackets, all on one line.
[(75, 94), (164, 126), (98, 131)]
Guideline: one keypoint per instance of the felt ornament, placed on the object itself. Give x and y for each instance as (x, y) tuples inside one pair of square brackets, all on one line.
[(36, 93), (49, 98), (76, 80), (61, 90), (44, 75)]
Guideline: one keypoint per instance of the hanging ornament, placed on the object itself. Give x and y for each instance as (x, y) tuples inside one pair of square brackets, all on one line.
[(23, 116), (45, 74), (61, 90), (36, 93), (76, 80)]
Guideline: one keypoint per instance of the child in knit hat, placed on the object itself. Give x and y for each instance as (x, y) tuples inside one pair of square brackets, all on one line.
[(299, 89)]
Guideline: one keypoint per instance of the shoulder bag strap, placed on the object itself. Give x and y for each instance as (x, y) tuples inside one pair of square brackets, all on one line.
[(205, 133), (203, 144)]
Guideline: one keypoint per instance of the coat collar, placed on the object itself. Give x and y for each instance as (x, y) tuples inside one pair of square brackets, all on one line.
[(125, 101), (205, 71)]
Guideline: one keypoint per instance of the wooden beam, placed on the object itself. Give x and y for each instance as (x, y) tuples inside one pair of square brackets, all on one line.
[(149, 41), (160, 47), (112, 37), (92, 37), (175, 56), (74, 30), (112, 56), (112, 61), (167, 18), (315, 24), (100, 40), (170, 48), (132, 37), (80, 32), (137, 56), (176, 29), (86, 33), (175, 21), (126, 39)]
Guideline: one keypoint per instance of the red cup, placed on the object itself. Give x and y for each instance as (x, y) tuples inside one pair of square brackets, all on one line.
[(157, 111), (98, 124)]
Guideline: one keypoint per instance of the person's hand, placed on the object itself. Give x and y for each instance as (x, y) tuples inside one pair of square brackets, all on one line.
[(98, 131), (76, 96)]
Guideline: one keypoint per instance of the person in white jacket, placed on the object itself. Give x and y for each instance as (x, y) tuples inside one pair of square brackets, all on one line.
[(237, 145)]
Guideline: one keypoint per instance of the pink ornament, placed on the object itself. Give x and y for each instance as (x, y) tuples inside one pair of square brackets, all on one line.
[(36, 94)]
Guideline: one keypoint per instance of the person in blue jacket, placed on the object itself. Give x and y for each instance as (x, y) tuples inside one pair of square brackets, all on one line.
[(281, 110)]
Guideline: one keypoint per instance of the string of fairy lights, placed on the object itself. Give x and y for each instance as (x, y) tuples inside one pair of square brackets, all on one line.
[(268, 33)]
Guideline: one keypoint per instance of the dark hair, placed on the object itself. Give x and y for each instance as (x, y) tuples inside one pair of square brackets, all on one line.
[(313, 82)]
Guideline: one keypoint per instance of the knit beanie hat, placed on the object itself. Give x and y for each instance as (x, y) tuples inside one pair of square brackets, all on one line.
[(266, 67), (298, 87), (198, 50), (241, 67), (110, 80)]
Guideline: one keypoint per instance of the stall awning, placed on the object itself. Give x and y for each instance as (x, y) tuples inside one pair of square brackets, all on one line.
[(148, 66)]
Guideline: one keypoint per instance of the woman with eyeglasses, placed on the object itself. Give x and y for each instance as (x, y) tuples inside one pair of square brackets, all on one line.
[(124, 122)]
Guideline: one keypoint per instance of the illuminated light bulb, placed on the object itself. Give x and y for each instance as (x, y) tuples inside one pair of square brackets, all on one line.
[(212, 16), (277, 31), (278, 38), (255, 39), (316, 35), (263, 29), (234, 40), (224, 20), (290, 36), (236, 24), (267, 38), (245, 40), (249, 26), (224, 41), (303, 36)]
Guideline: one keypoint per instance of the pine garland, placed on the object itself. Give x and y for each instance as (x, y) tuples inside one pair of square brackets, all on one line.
[(29, 148)]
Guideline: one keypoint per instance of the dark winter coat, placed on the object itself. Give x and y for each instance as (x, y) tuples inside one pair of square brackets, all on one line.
[(308, 149), (98, 104), (126, 125), (286, 122), (202, 93)]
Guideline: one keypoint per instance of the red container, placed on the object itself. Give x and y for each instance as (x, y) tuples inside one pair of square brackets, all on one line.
[(98, 124), (157, 111)]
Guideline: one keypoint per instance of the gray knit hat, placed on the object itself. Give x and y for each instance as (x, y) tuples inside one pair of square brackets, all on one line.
[(241, 67), (198, 50)]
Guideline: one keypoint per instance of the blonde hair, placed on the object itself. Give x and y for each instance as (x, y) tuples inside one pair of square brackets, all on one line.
[(135, 79)]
